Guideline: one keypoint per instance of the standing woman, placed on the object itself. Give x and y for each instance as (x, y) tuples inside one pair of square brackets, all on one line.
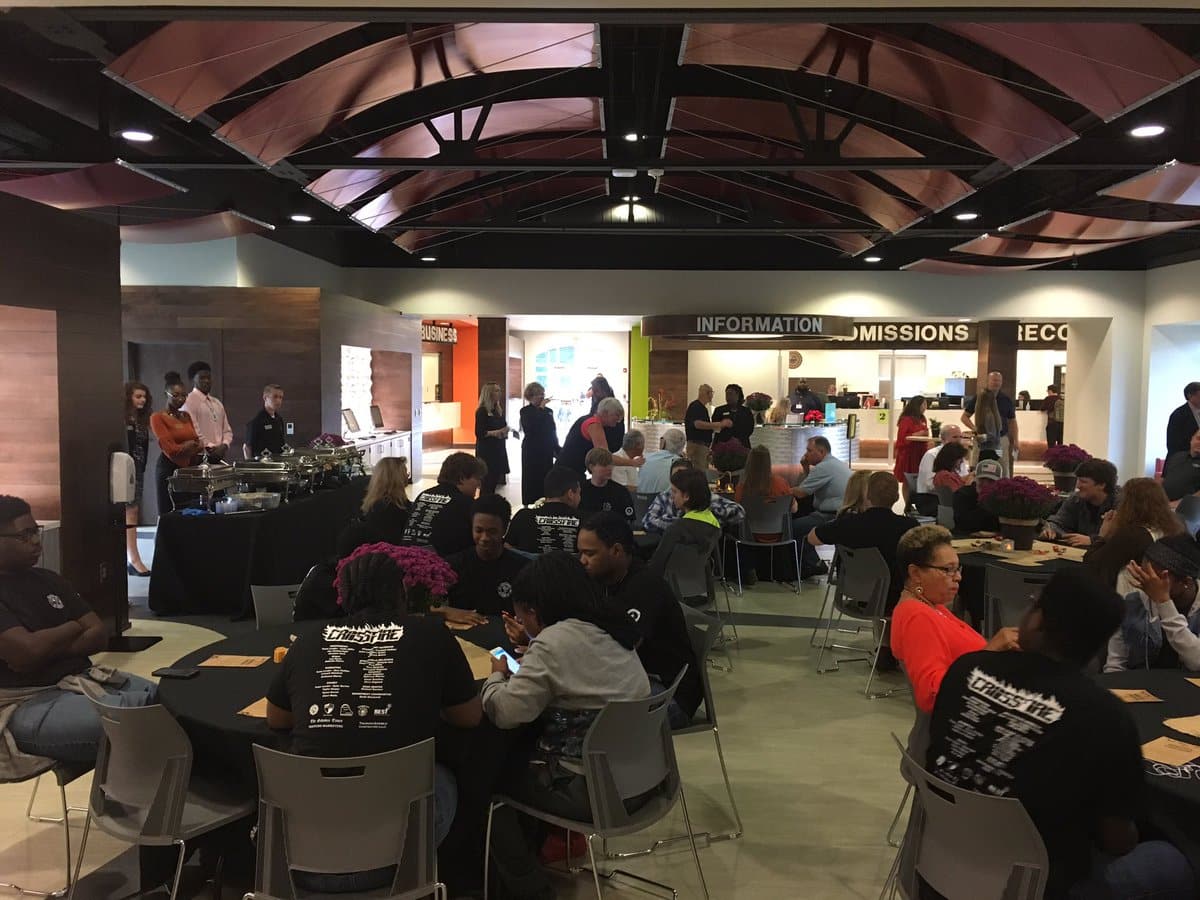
[(734, 411), (988, 425), (540, 446), (137, 437), (177, 438), (491, 430), (909, 453)]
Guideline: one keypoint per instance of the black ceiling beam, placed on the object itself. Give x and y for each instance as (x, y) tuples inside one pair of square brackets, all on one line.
[(653, 228)]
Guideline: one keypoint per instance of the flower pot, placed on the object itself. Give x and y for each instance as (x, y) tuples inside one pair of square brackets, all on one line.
[(1064, 482), (1021, 531)]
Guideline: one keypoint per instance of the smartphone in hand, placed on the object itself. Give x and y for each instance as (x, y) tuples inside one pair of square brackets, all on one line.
[(501, 653)]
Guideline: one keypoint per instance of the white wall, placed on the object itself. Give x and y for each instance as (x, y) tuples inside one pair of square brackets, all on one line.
[(597, 352), (1172, 345), (210, 263), (753, 370), (1035, 370)]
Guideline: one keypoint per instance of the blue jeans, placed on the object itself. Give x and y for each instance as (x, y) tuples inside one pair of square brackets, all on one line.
[(800, 528), (63, 725), (1153, 870)]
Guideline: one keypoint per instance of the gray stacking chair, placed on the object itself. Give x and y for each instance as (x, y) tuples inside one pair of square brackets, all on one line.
[(945, 514), (64, 774), (355, 814), (1007, 596), (767, 516), (144, 791), (942, 844), (641, 506), (273, 604), (862, 595), (690, 572), (918, 746), (627, 752), (1188, 511)]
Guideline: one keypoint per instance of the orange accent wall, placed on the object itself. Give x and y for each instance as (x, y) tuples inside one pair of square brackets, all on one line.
[(466, 381)]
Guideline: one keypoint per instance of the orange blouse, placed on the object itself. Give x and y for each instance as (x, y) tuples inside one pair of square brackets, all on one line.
[(172, 434)]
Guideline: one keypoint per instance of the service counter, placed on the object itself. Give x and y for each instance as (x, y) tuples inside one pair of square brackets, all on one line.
[(375, 447), (788, 444)]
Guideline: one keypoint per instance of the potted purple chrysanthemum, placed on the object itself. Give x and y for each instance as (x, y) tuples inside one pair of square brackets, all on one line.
[(1020, 504), (1063, 460), (729, 456), (427, 577)]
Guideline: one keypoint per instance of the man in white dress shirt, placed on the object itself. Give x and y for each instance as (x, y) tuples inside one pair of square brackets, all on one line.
[(207, 412)]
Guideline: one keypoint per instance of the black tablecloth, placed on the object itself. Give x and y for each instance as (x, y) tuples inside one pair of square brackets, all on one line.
[(206, 564), (974, 570), (1174, 791)]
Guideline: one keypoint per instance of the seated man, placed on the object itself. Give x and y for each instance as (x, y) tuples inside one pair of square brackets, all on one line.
[(824, 485), (656, 471), (1078, 520), (1161, 627), (441, 515), (606, 549), (486, 571), (662, 512), (1033, 726), (1181, 473), (633, 445), (876, 526), (925, 499), (46, 634), (600, 493), (554, 524), (969, 516)]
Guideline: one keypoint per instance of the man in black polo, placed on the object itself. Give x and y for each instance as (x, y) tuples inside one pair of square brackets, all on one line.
[(606, 549), (265, 430), (554, 524), (697, 425), (485, 572)]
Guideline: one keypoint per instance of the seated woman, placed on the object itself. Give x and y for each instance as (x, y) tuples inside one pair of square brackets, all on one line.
[(579, 658), (758, 481), (697, 527), (855, 498), (1161, 628), (926, 636), (384, 508), (1142, 516), (949, 467), (399, 650)]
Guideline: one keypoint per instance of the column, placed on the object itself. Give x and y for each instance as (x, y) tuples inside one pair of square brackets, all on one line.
[(493, 355)]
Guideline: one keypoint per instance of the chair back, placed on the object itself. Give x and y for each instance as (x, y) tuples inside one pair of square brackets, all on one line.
[(143, 767), (945, 495), (945, 510), (1189, 511), (688, 569), (863, 585), (767, 515), (1012, 863), (628, 752), (910, 479), (703, 631), (641, 504), (350, 814), (1007, 596), (273, 603)]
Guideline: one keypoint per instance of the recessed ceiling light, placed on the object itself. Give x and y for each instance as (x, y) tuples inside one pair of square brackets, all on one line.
[(631, 198), (428, 259), (966, 216), (300, 217), (137, 136), (631, 136), (624, 173), (1147, 131), (872, 259)]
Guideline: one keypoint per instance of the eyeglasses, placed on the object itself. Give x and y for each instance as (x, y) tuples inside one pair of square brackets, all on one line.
[(950, 571), (26, 535)]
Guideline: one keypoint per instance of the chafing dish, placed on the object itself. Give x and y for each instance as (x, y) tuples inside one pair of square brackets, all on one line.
[(344, 460), (204, 479), (264, 473)]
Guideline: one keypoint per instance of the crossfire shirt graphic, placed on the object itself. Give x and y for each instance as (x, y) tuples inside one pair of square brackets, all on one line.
[(352, 681)]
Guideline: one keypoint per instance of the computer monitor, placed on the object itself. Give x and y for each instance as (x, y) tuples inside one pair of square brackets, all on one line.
[(376, 416), (351, 420)]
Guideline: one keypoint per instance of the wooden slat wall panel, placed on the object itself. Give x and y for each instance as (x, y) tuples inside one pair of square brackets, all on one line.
[(29, 434), (391, 387), (669, 373)]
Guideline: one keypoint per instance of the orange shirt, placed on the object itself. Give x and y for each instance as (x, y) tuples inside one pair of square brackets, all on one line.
[(172, 433), (927, 639), (778, 488)]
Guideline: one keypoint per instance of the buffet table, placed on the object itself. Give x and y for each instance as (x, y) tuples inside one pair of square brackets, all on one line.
[(206, 564)]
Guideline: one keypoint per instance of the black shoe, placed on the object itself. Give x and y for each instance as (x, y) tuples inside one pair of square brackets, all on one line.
[(821, 568), (750, 578), (886, 662), (132, 571)]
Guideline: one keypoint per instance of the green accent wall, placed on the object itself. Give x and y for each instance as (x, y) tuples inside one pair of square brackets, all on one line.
[(639, 373)]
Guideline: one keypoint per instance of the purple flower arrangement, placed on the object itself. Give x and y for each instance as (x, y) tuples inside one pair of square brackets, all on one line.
[(1016, 498), (758, 402), (1065, 458), (427, 577), (327, 440), (729, 455)]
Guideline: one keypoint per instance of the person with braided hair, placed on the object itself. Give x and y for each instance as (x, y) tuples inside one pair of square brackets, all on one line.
[(378, 679)]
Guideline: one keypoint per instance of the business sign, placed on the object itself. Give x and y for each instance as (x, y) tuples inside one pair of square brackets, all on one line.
[(439, 334), (763, 326)]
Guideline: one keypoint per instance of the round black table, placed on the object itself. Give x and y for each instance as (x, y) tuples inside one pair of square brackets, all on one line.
[(971, 593), (1173, 791)]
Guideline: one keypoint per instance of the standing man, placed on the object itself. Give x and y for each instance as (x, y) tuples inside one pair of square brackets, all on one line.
[(265, 430), (1184, 420), (823, 485), (1010, 438), (1054, 407), (207, 412), (696, 423)]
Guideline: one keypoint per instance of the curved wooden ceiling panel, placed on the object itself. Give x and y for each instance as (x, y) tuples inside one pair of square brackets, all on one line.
[(1107, 67), (1073, 226), (425, 185), (875, 202), (971, 103), (302, 109), (1175, 182), (107, 184), (949, 267), (191, 230), (188, 66), (1016, 248)]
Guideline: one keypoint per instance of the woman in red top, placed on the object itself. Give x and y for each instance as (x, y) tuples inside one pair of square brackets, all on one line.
[(177, 438), (758, 482), (948, 468), (908, 453), (926, 636)]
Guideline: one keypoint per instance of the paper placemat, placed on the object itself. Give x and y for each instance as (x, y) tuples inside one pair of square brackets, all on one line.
[(1170, 751), (232, 661), (1135, 695), (1195, 681), (256, 710), (1189, 725), (478, 658)]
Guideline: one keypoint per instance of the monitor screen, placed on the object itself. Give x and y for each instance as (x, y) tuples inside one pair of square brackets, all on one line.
[(376, 416), (350, 419)]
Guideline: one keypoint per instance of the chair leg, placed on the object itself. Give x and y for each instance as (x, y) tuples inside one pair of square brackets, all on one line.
[(487, 848), (889, 885), (812, 640), (826, 645), (883, 623), (737, 557), (595, 868), (891, 834), (87, 825), (737, 817), (178, 870), (796, 554), (729, 612), (687, 824), (66, 827)]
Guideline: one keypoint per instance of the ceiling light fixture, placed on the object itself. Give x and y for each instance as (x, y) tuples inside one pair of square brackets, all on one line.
[(300, 217), (428, 259), (966, 216), (631, 136), (624, 173), (137, 136), (872, 259), (1147, 131), (631, 198)]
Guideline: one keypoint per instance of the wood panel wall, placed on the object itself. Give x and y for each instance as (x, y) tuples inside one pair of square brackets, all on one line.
[(391, 387), (669, 373), (29, 434), (493, 357), (70, 264)]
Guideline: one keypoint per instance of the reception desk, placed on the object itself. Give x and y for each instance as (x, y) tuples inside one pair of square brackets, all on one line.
[(653, 429), (788, 443)]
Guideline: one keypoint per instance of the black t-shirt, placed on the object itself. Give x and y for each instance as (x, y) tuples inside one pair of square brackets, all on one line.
[(873, 527), (665, 646), (1023, 725), (440, 517), (370, 683), (264, 432), (742, 419), (552, 526), (969, 516), (485, 586), (37, 599), (612, 497), (696, 412)]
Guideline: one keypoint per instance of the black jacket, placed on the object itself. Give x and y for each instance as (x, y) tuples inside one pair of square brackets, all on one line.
[(1180, 428)]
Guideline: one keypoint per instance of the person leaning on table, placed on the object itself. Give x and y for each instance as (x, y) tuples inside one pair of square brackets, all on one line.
[(1079, 518)]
